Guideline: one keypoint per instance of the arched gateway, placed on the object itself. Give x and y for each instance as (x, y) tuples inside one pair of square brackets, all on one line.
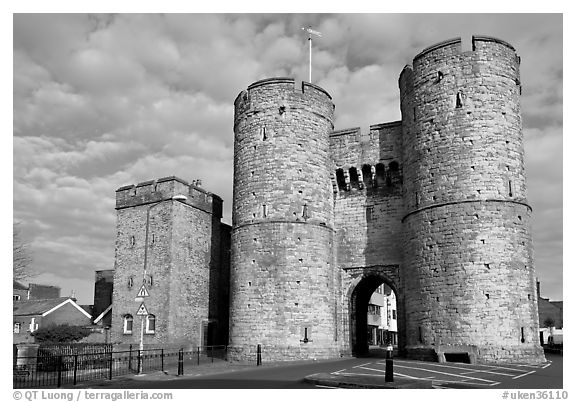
[(363, 283)]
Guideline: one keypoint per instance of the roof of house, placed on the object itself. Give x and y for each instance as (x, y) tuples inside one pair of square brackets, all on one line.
[(19, 286), (44, 306)]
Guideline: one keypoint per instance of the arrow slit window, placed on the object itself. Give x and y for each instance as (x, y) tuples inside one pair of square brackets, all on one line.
[(150, 324), (128, 323)]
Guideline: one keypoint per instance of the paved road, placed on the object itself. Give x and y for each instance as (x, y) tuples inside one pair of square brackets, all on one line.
[(443, 375), (460, 375)]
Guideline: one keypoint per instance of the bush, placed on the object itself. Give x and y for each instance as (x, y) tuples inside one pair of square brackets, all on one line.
[(60, 333)]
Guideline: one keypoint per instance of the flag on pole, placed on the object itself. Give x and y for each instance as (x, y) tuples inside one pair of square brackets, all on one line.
[(312, 32)]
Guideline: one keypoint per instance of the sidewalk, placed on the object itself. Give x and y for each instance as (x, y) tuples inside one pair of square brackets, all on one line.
[(191, 370)]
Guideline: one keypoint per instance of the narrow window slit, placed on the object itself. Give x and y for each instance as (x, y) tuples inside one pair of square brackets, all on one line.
[(305, 213), (458, 99)]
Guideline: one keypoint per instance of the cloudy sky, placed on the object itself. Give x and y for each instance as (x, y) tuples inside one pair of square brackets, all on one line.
[(102, 101)]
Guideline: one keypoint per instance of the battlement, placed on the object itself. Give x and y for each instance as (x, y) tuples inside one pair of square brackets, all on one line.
[(283, 94), (154, 191), (454, 46)]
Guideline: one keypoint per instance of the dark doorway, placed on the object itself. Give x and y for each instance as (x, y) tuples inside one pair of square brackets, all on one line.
[(373, 316)]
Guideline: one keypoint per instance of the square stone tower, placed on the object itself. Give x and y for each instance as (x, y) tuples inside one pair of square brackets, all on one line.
[(169, 242)]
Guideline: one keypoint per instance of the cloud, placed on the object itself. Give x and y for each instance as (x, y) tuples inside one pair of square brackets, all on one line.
[(102, 101)]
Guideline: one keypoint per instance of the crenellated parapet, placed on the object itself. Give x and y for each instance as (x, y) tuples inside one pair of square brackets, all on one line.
[(154, 191), (283, 97)]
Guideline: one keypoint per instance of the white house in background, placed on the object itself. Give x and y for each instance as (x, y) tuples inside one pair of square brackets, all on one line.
[(382, 317)]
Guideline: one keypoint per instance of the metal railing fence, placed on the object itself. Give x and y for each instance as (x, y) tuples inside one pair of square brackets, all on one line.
[(59, 370)]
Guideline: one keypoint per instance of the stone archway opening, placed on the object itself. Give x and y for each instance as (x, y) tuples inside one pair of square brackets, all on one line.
[(373, 316)]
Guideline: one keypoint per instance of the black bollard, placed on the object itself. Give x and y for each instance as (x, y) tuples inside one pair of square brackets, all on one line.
[(258, 356), (181, 362), (389, 374)]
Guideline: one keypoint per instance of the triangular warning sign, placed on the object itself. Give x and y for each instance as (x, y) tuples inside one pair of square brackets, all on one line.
[(142, 310), (143, 292)]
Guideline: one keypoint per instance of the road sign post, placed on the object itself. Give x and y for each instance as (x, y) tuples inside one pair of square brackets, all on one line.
[(142, 312)]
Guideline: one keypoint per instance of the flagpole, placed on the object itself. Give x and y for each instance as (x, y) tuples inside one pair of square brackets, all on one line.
[(310, 33), (310, 58)]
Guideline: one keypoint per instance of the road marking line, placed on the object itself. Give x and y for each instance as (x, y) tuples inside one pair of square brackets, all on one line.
[(547, 365), (522, 375), (442, 372), (468, 371), (373, 369), (498, 367), (337, 372), (365, 364), (407, 376), (367, 375), (325, 386), (471, 370), (466, 382), (528, 365)]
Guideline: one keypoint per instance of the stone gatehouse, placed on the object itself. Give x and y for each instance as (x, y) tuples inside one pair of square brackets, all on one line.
[(433, 205)]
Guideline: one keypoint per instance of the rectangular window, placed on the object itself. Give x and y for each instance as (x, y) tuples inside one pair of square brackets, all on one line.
[(393, 314), (150, 324), (17, 327), (128, 322), (16, 297)]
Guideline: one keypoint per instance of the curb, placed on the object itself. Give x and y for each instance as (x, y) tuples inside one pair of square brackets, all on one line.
[(362, 382)]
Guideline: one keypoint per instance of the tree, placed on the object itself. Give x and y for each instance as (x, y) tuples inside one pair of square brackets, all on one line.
[(22, 256), (63, 333)]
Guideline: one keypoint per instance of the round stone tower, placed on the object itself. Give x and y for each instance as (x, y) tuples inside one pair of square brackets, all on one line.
[(283, 282), (468, 249)]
